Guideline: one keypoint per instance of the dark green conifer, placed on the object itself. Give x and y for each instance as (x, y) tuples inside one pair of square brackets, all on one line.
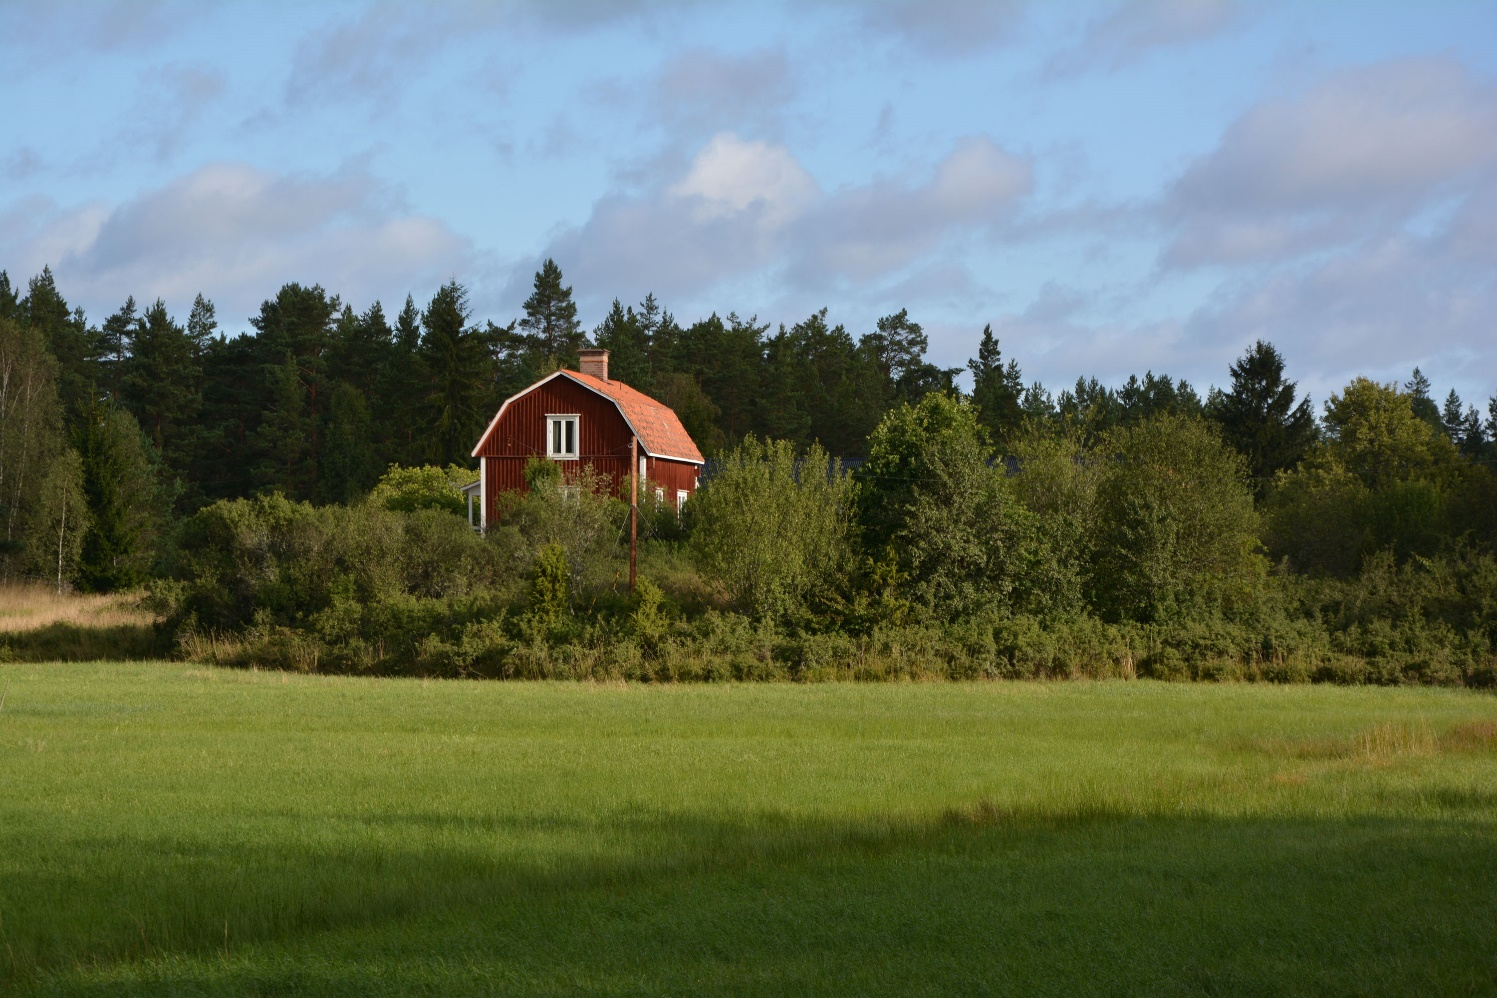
[(1259, 416), (551, 318)]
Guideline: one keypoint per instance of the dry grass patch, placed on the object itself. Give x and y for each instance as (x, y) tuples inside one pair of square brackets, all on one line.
[(1387, 742), (29, 607)]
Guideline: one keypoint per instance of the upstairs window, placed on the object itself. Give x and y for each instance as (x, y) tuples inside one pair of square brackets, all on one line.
[(561, 438)]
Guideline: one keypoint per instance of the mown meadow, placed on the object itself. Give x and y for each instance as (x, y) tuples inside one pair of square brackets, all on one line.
[(176, 828)]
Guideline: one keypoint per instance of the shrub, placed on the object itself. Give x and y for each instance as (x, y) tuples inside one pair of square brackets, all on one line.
[(1179, 531), (771, 529), (405, 490)]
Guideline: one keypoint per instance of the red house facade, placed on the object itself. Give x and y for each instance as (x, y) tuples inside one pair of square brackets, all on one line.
[(579, 418)]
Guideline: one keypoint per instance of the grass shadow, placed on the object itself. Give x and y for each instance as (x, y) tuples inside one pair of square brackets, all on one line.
[(973, 902), (69, 642)]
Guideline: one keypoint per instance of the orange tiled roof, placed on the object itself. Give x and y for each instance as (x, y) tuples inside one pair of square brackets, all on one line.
[(659, 428)]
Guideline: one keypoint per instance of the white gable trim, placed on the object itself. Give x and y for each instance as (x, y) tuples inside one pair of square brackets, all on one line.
[(576, 381)]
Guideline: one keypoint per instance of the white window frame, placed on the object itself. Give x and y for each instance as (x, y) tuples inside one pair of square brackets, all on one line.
[(681, 496), (659, 496), (564, 418)]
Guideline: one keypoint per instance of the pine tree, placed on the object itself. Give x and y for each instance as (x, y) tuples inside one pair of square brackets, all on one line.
[(1259, 416), (202, 322), (551, 318), (118, 331)]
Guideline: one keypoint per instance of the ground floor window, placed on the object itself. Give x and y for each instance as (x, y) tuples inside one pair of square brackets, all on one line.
[(681, 496)]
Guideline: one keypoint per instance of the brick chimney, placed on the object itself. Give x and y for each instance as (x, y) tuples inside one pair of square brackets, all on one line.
[(594, 362)]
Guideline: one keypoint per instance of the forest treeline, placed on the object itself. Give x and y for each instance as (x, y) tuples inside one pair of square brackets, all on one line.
[(263, 484)]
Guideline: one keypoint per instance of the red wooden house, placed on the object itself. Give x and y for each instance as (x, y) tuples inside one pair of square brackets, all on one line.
[(581, 418)]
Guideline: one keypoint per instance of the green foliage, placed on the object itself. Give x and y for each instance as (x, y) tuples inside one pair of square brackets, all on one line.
[(405, 490), (1057, 482), (580, 515), (903, 453), (1178, 527), (59, 521), (550, 586), (542, 475), (1375, 433), (1384, 479), (30, 434), (649, 623), (770, 528), (362, 587)]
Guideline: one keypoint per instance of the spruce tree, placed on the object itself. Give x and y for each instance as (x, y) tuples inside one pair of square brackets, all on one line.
[(459, 372), (350, 465), (551, 318), (10, 302), (77, 348), (1417, 388), (288, 461), (996, 389), (1453, 417), (124, 498), (628, 346), (396, 405), (297, 323), (1260, 418), (162, 384)]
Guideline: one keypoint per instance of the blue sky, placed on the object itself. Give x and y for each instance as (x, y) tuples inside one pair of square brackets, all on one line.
[(1116, 187)]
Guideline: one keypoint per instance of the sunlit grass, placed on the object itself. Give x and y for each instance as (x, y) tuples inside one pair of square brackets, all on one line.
[(171, 828)]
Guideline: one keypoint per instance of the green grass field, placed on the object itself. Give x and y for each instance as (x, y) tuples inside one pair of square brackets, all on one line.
[(174, 829)]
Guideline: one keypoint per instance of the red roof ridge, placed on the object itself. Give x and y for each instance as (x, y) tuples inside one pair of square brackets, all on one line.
[(656, 424)]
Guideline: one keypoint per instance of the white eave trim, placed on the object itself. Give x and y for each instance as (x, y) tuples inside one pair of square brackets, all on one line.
[(557, 374)]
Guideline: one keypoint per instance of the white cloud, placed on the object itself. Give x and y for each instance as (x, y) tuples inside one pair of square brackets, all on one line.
[(744, 209), (235, 234), (1360, 153), (730, 176)]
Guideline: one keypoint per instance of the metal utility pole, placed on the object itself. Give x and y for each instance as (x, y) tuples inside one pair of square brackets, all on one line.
[(633, 505)]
